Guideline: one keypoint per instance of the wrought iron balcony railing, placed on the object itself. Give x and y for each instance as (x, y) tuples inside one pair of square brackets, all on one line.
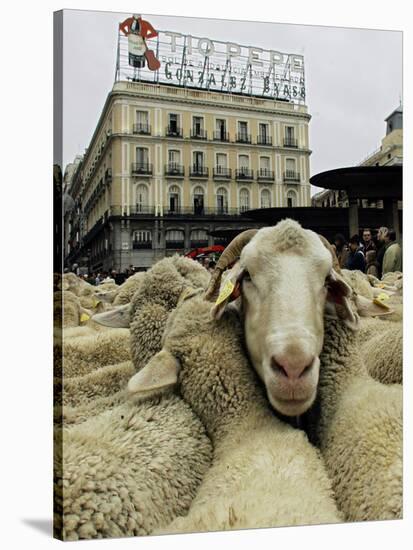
[(141, 168), (291, 176), (221, 136), (265, 175), (174, 169), (141, 128), (243, 138), (198, 171), (173, 131), (221, 172), (290, 142), (199, 134), (264, 140), (244, 174)]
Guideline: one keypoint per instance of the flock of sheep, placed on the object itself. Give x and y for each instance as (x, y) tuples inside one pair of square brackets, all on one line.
[(178, 410)]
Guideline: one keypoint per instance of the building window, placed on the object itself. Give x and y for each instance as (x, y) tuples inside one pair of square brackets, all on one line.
[(221, 130), (221, 163), (198, 200), (174, 128), (243, 129), (198, 127), (174, 238), (243, 162), (141, 198), (199, 237), (173, 198), (142, 239), (265, 198), (142, 156), (291, 199), (174, 159), (142, 123), (264, 166), (198, 160), (244, 200), (222, 200)]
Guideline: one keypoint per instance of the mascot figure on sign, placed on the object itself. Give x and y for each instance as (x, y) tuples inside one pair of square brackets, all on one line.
[(138, 30)]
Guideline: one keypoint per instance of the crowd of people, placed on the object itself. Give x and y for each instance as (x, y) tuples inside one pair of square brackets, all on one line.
[(374, 253)]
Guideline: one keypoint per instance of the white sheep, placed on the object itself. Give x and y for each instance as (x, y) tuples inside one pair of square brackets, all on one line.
[(129, 469), (264, 473), (383, 353), (358, 428)]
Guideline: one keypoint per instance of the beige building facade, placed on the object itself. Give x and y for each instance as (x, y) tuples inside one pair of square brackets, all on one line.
[(167, 165)]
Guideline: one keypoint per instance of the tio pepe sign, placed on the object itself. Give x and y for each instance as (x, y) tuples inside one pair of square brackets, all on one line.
[(197, 62)]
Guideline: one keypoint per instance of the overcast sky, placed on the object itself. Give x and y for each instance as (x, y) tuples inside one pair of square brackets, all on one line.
[(353, 77)]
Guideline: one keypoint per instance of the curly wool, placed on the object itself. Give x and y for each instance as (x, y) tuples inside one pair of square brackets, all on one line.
[(127, 290), (84, 354), (358, 427), (129, 470), (264, 472), (151, 469), (359, 282), (383, 354)]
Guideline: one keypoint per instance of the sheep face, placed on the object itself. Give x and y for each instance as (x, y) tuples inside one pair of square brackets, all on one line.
[(283, 279)]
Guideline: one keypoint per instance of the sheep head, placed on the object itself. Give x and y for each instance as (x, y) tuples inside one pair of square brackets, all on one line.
[(281, 283)]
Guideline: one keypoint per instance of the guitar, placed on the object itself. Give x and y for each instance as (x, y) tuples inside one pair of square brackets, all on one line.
[(137, 46)]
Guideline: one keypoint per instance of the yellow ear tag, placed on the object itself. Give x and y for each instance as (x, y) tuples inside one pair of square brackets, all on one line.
[(84, 317), (382, 296), (380, 303), (380, 285), (95, 302), (225, 292)]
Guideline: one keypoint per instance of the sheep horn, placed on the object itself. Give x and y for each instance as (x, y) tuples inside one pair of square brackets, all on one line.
[(230, 254), (336, 265)]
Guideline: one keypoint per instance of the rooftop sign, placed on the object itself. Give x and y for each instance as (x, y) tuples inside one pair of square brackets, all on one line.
[(168, 57)]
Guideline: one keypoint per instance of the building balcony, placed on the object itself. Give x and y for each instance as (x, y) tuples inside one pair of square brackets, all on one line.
[(198, 171), (290, 176), (243, 138), (290, 142), (141, 169), (222, 173), (265, 175), (185, 211), (173, 131), (134, 210), (142, 128), (108, 175), (199, 134), (221, 136), (244, 174), (172, 169), (264, 140)]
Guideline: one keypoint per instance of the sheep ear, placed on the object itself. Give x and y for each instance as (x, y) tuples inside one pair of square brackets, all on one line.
[(370, 308), (160, 373), (230, 290), (118, 317), (339, 294)]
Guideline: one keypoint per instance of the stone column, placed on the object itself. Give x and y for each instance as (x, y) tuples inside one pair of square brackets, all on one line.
[(391, 213), (353, 217)]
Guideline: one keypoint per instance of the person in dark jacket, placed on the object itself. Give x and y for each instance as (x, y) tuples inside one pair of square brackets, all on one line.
[(341, 249), (355, 259), (368, 243), (381, 248)]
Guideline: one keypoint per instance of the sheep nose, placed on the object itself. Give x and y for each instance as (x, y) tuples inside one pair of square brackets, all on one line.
[(290, 367)]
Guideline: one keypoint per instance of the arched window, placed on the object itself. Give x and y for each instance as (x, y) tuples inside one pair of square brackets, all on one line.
[(291, 198), (198, 200), (142, 197), (265, 198), (244, 200), (222, 200), (174, 238), (199, 237), (174, 202)]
